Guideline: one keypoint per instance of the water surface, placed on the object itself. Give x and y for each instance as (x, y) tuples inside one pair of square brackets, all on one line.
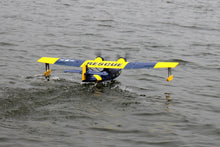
[(140, 108)]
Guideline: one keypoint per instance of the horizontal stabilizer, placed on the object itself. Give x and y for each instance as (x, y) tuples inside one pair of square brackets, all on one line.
[(73, 71), (103, 73), (87, 73)]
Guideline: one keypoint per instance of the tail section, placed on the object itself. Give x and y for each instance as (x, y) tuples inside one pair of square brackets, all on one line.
[(84, 69)]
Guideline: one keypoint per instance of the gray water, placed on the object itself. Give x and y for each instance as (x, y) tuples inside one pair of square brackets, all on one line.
[(140, 108)]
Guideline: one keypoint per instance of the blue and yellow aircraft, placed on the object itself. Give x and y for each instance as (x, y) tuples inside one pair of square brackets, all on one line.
[(110, 69)]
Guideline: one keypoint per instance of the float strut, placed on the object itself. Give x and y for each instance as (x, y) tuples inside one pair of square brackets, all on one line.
[(47, 72), (170, 76)]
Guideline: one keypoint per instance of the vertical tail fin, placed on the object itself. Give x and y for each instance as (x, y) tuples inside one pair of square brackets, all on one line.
[(84, 68)]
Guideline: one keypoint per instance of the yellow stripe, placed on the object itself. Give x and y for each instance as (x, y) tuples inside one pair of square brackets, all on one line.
[(104, 64), (98, 77), (48, 60), (166, 65)]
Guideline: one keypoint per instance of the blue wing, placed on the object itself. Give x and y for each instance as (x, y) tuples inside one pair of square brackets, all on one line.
[(70, 62), (137, 65)]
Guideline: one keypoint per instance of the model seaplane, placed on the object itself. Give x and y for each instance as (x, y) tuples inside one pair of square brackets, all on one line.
[(110, 69)]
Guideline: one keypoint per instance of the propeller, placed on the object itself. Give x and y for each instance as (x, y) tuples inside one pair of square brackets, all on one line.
[(98, 53), (126, 56)]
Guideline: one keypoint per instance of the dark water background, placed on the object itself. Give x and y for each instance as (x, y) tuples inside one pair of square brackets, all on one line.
[(140, 108)]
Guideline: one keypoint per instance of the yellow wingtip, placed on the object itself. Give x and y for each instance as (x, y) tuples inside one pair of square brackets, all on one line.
[(166, 64), (48, 60)]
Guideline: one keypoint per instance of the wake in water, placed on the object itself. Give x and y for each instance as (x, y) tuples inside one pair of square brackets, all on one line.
[(18, 103)]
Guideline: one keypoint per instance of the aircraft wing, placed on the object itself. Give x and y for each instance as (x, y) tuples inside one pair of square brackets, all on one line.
[(97, 63), (138, 65), (107, 64), (121, 63), (60, 61)]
